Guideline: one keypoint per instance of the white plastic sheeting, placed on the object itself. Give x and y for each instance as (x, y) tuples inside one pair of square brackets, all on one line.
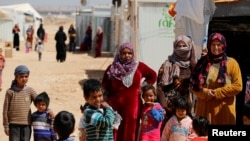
[(155, 34)]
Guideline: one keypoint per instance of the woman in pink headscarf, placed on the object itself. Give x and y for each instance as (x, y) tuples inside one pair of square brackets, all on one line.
[(122, 85)]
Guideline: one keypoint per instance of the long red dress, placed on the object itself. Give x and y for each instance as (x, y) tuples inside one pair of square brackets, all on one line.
[(127, 101), (98, 47)]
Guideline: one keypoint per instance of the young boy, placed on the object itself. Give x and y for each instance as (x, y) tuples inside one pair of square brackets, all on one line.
[(98, 111), (2, 64), (42, 119), (16, 107), (246, 113), (64, 125)]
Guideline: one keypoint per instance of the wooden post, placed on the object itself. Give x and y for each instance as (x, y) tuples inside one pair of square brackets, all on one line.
[(135, 29), (133, 13)]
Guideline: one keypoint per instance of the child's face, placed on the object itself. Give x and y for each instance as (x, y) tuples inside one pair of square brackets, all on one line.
[(181, 113), (41, 106), (22, 79), (148, 96), (95, 99), (246, 120)]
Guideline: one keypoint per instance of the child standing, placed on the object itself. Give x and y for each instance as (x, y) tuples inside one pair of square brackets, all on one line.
[(151, 116), (98, 111), (39, 49), (16, 107), (64, 125), (179, 126), (246, 113), (2, 64), (28, 46), (42, 119), (200, 128)]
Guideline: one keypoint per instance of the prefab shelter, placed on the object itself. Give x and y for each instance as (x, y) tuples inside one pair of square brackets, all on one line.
[(98, 15), (152, 30), (24, 15), (8, 19), (6, 25)]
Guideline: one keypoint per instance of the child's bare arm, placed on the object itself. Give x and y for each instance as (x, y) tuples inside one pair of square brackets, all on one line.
[(50, 114), (82, 134)]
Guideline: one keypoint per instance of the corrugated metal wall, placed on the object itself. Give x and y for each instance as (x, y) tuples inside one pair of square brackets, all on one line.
[(95, 19)]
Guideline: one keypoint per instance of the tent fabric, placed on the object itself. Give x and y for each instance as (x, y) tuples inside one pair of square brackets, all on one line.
[(5, 14), (24, 8), (189, 20), (192, 9)]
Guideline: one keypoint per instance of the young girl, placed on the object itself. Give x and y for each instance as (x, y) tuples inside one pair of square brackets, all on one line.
[(39, 49), (200, 128), (42, 119), (28, 46), (179, 126), (151, 116)]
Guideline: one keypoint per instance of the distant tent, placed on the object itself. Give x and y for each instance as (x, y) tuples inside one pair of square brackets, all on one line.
[(6, 24), (25, 8), (5, 14), (24, 15)]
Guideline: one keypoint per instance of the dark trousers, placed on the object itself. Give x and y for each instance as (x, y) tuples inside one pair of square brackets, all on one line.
[(72, 46), (19, 132)]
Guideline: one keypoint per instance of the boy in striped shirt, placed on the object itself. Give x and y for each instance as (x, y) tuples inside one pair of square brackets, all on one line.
[(98, 115), (42, 119)]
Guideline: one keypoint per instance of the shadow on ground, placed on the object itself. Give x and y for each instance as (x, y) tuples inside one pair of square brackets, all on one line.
[(95, 74)]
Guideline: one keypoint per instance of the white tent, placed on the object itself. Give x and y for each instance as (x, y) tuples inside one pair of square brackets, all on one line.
[(152, 30), (24, 15), (6, 24), (25, 8)]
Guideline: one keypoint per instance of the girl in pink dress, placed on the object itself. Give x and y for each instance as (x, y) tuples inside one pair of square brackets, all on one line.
[(152, 115), (122, 85)]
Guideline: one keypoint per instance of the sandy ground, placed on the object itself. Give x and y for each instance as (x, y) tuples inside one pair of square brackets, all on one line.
[(60, 80)]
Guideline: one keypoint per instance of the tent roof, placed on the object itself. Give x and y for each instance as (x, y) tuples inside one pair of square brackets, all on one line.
[(4, 14), (25, 8)]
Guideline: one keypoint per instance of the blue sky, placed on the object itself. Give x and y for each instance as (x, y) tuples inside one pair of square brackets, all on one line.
[(55, 3)]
